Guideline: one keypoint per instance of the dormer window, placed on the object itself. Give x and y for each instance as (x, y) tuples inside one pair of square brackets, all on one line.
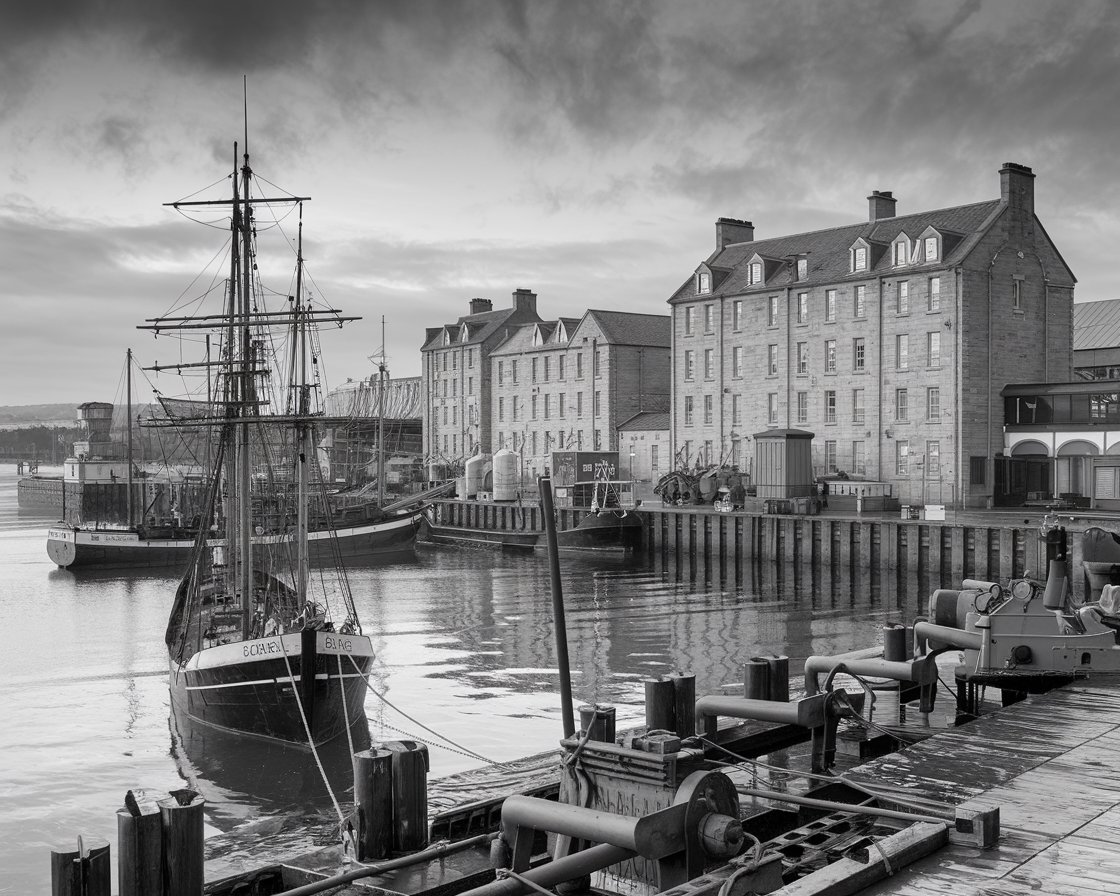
[(756, 272), (463, 334), (901, 252), (803, 268), (931, 252), (538, 337), (703, 283), (447, 337), (859, 258)]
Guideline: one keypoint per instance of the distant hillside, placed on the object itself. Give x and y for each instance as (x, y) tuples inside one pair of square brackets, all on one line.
[(12, 417)]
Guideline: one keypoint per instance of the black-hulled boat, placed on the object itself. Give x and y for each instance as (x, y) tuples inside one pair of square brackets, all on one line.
[(262, 648)]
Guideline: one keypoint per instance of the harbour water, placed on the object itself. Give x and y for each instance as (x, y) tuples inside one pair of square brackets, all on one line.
[(465, 662)]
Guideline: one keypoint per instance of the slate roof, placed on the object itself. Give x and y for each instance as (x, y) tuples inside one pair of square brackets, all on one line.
[(827, 250), (479, 326), (628, 328), (644, 421), (1096, 324)]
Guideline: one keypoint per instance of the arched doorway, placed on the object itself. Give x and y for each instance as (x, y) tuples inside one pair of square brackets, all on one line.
[(1073, 470), (1026, 476)]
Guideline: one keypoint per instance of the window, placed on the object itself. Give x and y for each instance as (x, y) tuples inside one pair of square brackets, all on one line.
[(933, 458), (736, 410), (534, 372), (501, 373), (597, 409), (689, 320), (516, 407), (901, 253), (688, 410), (902, 457), (772, 407), (595, 362), (737, 314), (709, 363), (933, 349), (902, 351), (513, 370), (860, 308), (470, 358), (703, 282), (802, 307), (579, 365), (859, 458), (933, 404), (689, 364), (830, 406), (772, 311), (859, 258), (446, 339), (901, 405), (931, 248), (802, 407), (803, 357), (455, 362), (443, 388), (547, 365), (533, 407), (859, 354), (707, 408), (598, 440), (830, 304), (454, 414), (903, 306), (857, 406), (772, 360), (709, 319), (737, 361), (561, 366), (561, 408), (547, 414), (533, 442), (934, 301), (1017, 293), (579, 404), (830, 456), (756, 272), (830, 356), (802, 268), (977, 470)]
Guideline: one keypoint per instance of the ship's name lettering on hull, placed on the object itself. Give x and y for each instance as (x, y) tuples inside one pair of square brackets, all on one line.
[(343, 644), (261, 648)]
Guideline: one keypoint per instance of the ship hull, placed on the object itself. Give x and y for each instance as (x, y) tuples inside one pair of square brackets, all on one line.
[(609, 532), (75, 547), (257, 688)]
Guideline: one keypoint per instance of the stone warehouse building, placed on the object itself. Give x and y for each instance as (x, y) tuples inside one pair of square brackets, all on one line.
[(889, 339), (455, 375), (567, 384)]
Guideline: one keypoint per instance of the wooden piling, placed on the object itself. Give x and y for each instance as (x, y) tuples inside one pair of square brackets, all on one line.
[(140, 850), (660, 705), (410, 794), (81, 871), (181, 821), (756, 678), (684, 696), (373, 803)]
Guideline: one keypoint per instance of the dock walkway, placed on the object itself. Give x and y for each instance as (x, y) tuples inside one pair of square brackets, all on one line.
[(1049, 764)]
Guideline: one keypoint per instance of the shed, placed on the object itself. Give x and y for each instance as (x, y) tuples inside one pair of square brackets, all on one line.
[(783, 463)]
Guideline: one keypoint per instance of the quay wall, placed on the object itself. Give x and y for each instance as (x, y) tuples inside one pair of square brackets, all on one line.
[(501, 517)]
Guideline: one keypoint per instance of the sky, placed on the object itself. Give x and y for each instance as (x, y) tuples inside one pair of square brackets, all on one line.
[(582, 149)]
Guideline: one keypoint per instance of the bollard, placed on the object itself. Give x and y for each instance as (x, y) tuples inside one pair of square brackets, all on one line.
[(598, 722), (410, 794), (373, 803), (661, 698), (756, 679), (181, 821), (779, 678), (684, 692), (895, 646), (83, 870), (140, 848)]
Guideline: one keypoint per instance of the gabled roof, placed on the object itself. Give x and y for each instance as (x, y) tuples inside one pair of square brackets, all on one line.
[(827, 250), (645, 421), (628, 328), (1096, 324), (479, 326)]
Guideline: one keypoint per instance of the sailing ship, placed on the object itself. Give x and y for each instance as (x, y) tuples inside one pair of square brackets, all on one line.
[(262, 648)]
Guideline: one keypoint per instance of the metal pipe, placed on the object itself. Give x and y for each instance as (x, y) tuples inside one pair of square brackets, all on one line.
[(559, 621), (833, 806), (921, 670), (955, 637), (573, 821), (808, 713), (329, 883), (578, 864)]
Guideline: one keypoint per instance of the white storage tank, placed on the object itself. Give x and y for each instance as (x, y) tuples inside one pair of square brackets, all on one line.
[(475, 474), (506, 466), (436, 473)]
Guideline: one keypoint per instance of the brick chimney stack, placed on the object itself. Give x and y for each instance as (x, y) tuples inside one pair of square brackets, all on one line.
[(478, 306), (1016, 187), (880, 204), (732, 230), (525, 300)]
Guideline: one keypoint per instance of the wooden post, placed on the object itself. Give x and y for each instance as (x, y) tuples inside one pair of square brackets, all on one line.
[(82, 870), (140, 847), (756, 679), (660, 705), (181, 821), (684, 693), (373, 798), (410, 794)]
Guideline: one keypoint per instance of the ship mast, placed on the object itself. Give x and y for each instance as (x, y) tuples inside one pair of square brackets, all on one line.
[(302, 427), (128, 417), (243, 384), (382, 369)]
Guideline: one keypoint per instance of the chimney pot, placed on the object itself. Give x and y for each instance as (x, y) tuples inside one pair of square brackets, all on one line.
[(478, 306), (525, 300)]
